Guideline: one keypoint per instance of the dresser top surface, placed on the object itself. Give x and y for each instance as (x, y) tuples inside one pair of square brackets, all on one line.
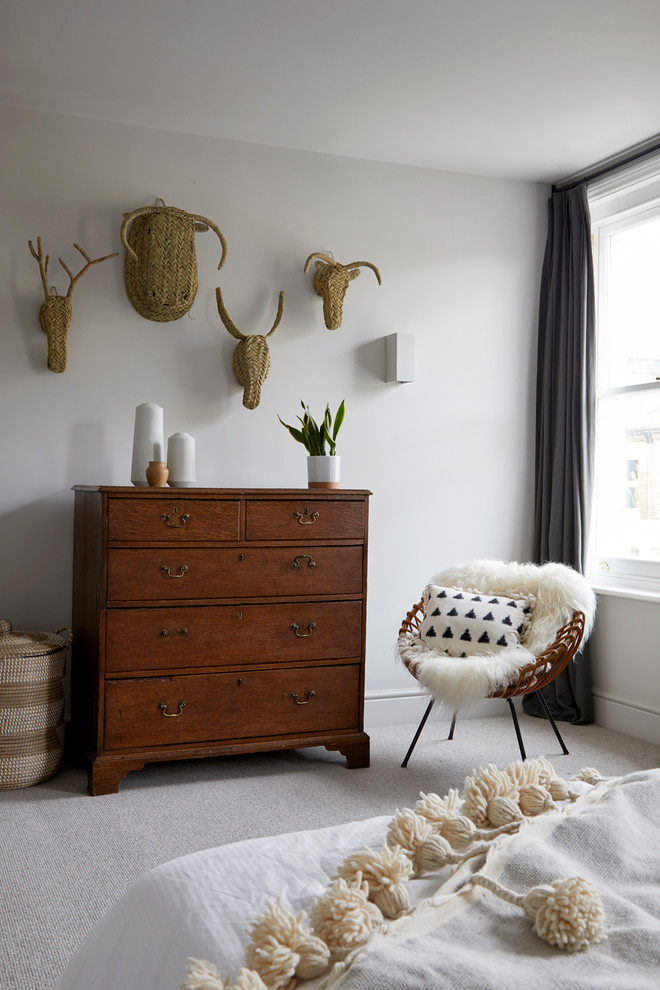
[(256, 493)]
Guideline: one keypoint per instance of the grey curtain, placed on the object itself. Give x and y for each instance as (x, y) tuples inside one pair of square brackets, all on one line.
[(565, 414)]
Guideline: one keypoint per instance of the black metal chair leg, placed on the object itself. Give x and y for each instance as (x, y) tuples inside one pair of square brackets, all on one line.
[(418, 733), (452, 726), (544, 705), (517, 728)]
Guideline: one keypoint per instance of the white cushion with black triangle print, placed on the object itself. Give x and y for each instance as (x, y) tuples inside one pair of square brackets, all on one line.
[(464, 623)]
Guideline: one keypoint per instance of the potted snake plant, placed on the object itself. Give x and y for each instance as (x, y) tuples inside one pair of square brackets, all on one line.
[(320, 442)]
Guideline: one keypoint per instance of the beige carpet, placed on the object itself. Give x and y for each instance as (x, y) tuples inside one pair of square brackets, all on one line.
[(65, 858)]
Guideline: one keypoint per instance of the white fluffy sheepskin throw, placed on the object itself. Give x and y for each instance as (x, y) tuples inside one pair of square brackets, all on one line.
[(557, 590)]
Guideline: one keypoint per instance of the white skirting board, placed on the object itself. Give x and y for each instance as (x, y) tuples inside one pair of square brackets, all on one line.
[(626, 717), (383, 708)]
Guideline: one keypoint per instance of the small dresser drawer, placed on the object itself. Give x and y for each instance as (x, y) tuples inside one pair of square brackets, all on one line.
[(176, 519), (296, 520), (168, 573), (221, 635), (165, 711)]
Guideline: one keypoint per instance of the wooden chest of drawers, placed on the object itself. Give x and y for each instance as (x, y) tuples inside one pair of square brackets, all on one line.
[(213, 621)]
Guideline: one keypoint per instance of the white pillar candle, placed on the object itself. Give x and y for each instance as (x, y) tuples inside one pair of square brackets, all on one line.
[(148, 442), (181, 460)]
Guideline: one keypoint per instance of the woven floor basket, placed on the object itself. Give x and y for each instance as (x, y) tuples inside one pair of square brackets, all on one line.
[(31, 705)]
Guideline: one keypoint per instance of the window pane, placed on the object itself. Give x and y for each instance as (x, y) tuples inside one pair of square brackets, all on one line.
[(627, 502), (633, 306)]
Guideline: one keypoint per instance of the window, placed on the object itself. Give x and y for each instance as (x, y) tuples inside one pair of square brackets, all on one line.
[(624, 544)]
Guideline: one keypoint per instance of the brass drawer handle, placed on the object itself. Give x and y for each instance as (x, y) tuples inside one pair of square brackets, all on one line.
[(303, 556), (306, 522), (310, 695), (301, 635), (166, 714), (175, 525), (166, 632), (182, 569)]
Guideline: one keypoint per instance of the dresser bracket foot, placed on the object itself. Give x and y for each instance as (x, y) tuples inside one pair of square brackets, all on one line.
[(354, 748), (104, 778)]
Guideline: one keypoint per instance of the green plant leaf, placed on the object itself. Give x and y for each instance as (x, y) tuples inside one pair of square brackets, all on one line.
[(339, 418)]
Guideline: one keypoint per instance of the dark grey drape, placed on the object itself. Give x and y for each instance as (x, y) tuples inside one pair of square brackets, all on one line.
[(565, 413)]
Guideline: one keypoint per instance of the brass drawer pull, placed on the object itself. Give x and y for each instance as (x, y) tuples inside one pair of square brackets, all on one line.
[(175, 525), (182, 569), (310, 695), (166, 632), (303, 556), (301, 635), (166, 714), (306, 522)]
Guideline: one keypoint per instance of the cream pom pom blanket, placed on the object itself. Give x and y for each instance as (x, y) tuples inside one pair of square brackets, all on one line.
[(555, 592)]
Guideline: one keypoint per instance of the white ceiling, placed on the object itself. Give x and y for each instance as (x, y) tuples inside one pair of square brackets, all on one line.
[(510, 88)]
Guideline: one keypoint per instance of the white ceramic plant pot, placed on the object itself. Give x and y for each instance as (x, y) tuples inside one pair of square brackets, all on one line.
[(323, 471)]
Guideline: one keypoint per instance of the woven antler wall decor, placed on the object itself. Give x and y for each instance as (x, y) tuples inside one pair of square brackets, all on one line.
[(331, 281), (251, 354), (55, 311), (160, 268)]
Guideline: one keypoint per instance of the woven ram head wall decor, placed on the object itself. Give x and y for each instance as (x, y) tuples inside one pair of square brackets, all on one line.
[(160, 269), (55, 311), (251, 354), (331, 281)]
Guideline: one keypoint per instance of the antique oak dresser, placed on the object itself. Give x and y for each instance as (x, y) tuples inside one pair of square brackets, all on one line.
[(215, 621)]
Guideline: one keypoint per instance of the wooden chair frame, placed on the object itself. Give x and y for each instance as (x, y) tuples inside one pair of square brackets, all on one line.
[(531, 678)]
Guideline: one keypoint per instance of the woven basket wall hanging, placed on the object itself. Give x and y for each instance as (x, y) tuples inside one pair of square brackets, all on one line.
[(55, 311), (160, 267), (251, 355)]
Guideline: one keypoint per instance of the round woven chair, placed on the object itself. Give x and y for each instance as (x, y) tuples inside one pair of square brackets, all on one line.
[(530, 678)]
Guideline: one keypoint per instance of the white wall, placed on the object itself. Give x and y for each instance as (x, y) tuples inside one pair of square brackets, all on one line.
[(449, 457)]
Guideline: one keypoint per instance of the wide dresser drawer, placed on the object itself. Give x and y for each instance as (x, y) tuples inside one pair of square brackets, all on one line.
[(144, 639), (301, 519), (172, 519), (195, 708), (179, 573)]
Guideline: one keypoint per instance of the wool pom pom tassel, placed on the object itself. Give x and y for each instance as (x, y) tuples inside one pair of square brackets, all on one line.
[(486, 786), (442, 814), (589, 776), (343, 917), (436, 809), (281, 950), (248, 979), (203, 975), (538, 771), (386, 872), (566, 913), (435, 852), (409, 831)]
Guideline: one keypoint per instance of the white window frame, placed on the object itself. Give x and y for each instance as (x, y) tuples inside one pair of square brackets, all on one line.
[(617, 202)]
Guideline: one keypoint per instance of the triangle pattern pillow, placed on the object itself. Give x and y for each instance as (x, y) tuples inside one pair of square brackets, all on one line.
[(464, 623)]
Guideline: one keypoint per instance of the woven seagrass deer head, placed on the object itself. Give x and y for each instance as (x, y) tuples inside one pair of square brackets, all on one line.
[(55, 311), (160, 268), (331, 281), (251, 354)]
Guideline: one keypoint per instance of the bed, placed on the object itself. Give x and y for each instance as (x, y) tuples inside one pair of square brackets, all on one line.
[(455, 934)]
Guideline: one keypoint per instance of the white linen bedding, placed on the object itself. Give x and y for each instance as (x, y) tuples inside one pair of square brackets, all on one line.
[(201, 905)]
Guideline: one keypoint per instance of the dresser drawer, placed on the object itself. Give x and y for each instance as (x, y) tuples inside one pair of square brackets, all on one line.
[(317, 520), (215, 707), (218, 635), (172, 519), (168, 573)]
